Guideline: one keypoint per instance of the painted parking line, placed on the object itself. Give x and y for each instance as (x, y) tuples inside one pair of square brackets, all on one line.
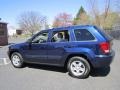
[(4, 61)]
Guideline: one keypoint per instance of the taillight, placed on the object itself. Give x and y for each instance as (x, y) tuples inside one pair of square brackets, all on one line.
[(105, 47)]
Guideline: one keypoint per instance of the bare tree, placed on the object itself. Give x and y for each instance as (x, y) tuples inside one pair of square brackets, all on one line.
[(107, 7), (31, 22), (117, 4), (96, 13)]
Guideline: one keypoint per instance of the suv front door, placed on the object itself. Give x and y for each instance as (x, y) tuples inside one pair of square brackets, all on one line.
[(37, 51)]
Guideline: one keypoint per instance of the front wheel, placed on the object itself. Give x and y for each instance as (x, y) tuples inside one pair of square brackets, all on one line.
[(78, 67), (17, 60)]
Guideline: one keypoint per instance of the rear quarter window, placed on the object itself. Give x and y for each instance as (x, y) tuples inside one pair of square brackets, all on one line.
[(83, 35), (103, 33)]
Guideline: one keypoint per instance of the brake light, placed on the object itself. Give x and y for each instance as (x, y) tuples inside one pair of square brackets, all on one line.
[(105, 47)]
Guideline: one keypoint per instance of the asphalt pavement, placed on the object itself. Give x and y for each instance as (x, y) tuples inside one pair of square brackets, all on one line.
[(41, 77)]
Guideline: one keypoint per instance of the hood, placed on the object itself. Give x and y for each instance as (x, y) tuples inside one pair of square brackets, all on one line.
[(13, 46)]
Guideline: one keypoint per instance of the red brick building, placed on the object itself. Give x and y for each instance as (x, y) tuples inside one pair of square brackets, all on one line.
[(3, 34)]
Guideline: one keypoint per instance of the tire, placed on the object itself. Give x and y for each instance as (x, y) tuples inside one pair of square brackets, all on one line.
[(78, 67), (17, 60)]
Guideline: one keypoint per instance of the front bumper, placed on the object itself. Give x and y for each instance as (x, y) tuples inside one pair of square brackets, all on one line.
[(103, 60), (8, 53)]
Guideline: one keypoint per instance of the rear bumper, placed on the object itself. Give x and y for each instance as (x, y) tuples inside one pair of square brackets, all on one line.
[(103, 60)]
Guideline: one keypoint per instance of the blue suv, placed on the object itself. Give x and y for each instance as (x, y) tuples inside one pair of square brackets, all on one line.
[(78, 48)]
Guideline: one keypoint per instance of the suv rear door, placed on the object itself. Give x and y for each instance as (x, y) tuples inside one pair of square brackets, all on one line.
[(56, 46)]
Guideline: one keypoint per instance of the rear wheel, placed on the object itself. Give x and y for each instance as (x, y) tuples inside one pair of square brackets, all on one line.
[(78, 67), (17, 60)]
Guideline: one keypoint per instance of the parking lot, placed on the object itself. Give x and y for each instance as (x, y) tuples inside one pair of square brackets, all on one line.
[(40, 77)]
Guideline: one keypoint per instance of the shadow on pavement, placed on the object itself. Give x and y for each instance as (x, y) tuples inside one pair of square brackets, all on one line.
[(45, 67), (100, 72)]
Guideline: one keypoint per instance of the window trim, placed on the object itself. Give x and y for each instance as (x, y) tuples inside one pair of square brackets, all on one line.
[(75, 40)]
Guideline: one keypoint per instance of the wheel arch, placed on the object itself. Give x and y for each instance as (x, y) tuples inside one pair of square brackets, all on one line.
[(80, 55), (11, 52)]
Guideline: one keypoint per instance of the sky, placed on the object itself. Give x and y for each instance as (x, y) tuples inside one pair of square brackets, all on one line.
[(11, 9)]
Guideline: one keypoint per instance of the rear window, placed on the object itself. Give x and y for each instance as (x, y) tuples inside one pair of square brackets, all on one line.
[(83, 35)]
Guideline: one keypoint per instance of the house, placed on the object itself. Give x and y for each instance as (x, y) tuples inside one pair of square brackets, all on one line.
[(3, 34)]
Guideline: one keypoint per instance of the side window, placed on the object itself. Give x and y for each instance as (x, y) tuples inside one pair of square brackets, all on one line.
[(83, 35), (60, 36), (41, 38)]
